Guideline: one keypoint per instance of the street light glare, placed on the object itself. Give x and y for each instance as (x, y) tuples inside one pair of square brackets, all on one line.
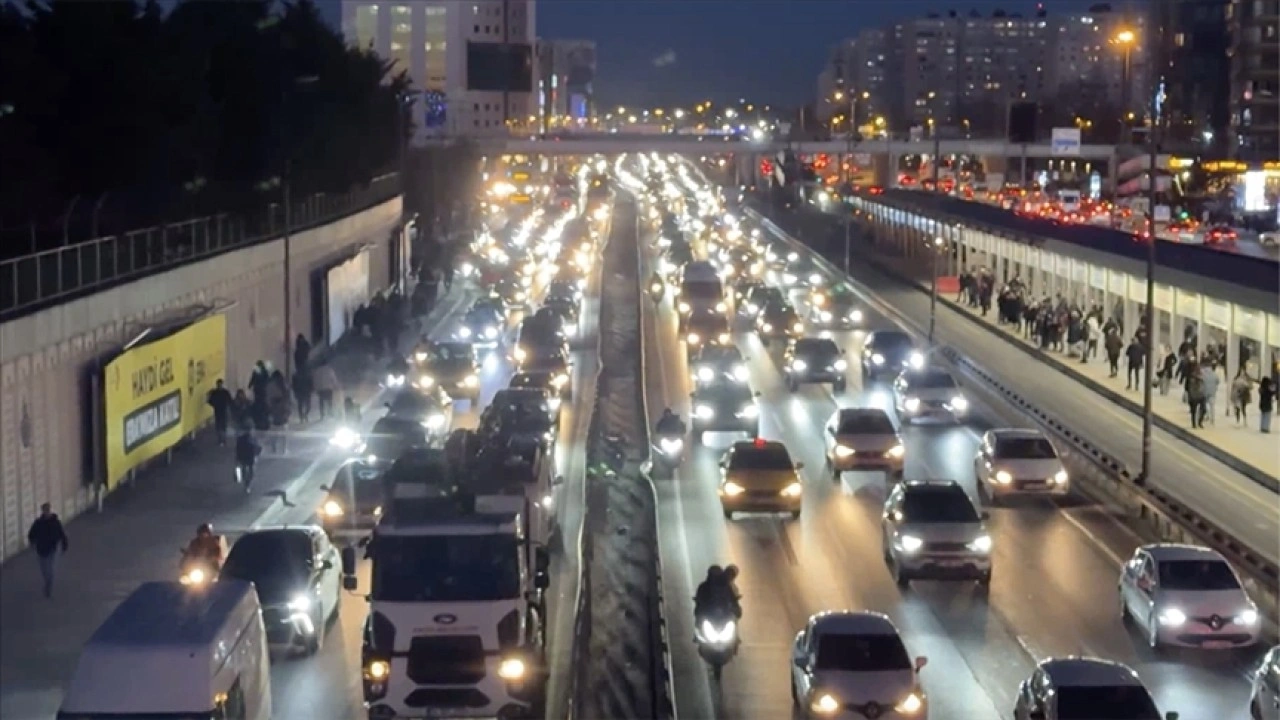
[(1124, 37)]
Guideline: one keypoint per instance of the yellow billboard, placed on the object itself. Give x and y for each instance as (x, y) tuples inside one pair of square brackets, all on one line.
[(155, 393)]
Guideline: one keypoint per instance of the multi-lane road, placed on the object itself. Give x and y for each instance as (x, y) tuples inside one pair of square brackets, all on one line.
[(1055, 565)]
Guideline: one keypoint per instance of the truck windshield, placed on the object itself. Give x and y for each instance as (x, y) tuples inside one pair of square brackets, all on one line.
[(439, 568)]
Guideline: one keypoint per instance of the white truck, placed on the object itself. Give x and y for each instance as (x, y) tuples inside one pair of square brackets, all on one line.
[(457, 622)]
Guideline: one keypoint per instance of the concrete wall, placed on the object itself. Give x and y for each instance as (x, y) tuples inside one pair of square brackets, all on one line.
[(46, 357)]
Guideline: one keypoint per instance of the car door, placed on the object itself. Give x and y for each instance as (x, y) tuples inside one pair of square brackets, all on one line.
[(802, 661), (1269, 686), (1129, 575), (1145, 588), (984, 460)]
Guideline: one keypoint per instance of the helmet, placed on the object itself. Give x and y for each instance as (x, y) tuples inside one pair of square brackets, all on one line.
[(204, 529), (730, 573), (715, 572)]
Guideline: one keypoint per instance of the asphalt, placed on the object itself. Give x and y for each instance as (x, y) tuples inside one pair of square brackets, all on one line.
[(138, 537), (1055, 564)]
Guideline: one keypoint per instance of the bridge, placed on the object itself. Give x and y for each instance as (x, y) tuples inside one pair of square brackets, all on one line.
[(612, 144)]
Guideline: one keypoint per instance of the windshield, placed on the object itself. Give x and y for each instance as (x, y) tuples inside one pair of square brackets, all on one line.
[(861, 653), (817, 349), (719, 354), (435, 568), (269, 558), (767, 296), (891, 343), (1128, 702), (773, 457), (930, 381), (869, 423), (701, 291), (410, 402), (537, 381), (1197, 575), (481, 315), (939, 505), (1025, 448), (452, 353)]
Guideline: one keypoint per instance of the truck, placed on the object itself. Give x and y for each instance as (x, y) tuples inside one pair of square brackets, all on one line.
[(700, 289), (457, 621)]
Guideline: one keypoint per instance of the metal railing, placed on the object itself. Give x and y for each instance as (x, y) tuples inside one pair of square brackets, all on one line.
[(40, 279)]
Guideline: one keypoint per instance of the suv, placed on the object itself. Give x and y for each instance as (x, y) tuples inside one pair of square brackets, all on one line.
[(929, 393), (933, 530), (886, 353), (1075, 688), (729, 407), (863, 438), (759, 475), (778, 321), (814, 360), (718, 363)]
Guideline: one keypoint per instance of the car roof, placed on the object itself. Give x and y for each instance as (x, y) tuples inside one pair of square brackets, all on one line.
[(853, 622), (308, 530), (1172, 552), (1089, 672), (888, 335), (519, 393), (927, 371), (809, 342), (759, 444), (1015, 434)]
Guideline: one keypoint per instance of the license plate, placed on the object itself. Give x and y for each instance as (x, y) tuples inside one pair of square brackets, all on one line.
[(447, 712), (952, 563), (1216, 645), (367, 474)]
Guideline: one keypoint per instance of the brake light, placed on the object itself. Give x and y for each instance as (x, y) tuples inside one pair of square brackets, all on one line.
[(759, 442)]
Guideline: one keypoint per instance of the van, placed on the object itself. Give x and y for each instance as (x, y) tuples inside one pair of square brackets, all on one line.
[(173, 651)]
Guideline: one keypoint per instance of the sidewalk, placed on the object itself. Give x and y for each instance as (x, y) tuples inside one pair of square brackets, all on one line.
[(137, 538), (1242, 441)]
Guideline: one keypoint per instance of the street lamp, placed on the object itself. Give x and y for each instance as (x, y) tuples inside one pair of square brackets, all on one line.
[(1125, 39), (938, 244)]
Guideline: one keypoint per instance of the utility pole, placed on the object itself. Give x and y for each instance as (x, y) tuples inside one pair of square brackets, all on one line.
[(938, 244), (848, 180), (1149, 314)]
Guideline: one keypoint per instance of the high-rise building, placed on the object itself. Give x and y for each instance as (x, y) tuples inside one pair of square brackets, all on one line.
[(1255, 78), (1004, 59), (834, 79), (930, 49), (1188, 41), (478, 55), (874, 77), (566, 81)]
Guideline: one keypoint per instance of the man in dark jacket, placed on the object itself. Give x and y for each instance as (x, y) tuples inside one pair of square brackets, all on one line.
[(1135, 354), (45, 535), (220, 400)]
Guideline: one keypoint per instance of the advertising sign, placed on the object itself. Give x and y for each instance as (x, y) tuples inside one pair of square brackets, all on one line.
[(1066, 141), (155, 393)]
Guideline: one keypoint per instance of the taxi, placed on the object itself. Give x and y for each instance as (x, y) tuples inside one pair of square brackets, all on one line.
[(760, 476)]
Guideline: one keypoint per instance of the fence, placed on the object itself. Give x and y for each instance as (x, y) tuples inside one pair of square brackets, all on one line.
[(33, 281)]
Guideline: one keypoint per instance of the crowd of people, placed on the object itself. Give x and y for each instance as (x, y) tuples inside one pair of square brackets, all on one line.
[(1056, 324)]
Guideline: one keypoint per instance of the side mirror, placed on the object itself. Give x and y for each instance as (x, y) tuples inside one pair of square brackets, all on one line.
[(557, 480), (325, 488), (985, 516), (921, 661), (541, 560), (800, 466), (349, 563), (326, 565), (349, 582), (541, 581), (831, 431)]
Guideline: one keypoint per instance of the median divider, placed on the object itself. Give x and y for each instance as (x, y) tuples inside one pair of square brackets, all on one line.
[(1147, 509)]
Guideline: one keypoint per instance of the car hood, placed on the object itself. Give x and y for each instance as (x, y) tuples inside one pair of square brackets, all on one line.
[(449, 370), (1027, 469), (866, 442), (944, 532), (887, 687), (762, 479), (932, 394), (1226, 604)]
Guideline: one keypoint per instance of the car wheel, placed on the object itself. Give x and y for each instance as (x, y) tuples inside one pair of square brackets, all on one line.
[(316, 640), (1153, 633)]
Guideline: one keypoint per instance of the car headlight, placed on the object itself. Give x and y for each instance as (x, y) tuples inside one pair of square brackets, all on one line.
[(814, 278), (789, 279), (740, 373), (799, 365), (559, 380), (394, 380), (877, 359), (793, 490), (519, 296), (825, 316), (520, 354), (911, 704), (753, 308), (841, 365), (750, 411), (426, 381), (511, 669), (464, 332), (1060, 477), (1173, 617), (1003, 477), (194, 576), (684, 307), (332, 509), (732, 488), (344, 438), (377, 670), (723, 339), (767, 327), (693, 339), (910, 543), (300, 603), (704, 412), (824, 705), (435, 422), (471, 381), (912, 404), (490, 331), (959, 403), (916, 360), (982, 544), (721, 307), (845, 452), (856, 316), (896, 451), (420, 356), (704, 374), (548, 501), (798, 327)]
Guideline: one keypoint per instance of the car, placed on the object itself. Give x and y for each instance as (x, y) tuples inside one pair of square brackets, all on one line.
[(705, 328), (354, 500), (760, 297), (1075, 688), (564, 290), (452, 367), (741, 291), (814, 360), (931, 529), (929, 393), (724, 407), (718, 363), (298, 573), (482, 327), (1264, 700), (863, 438), (1269, 238), (836, 309), (523, 412), (556, 364), (886, 353), (567, 310), (513, 293), (799, 272), (1015, 461), (1188, 596), (854, 664), (760, 476), (430, 407), (778, 321), (489, 303), (546, 381), (540, 334)]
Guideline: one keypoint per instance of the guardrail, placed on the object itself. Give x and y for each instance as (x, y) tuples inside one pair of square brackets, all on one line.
[(49, 277), (1147, 508)]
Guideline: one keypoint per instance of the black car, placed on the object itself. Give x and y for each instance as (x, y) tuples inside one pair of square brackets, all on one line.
[(298, 575), (814, 360), (567, 310), (540, 334), (761, 297), (483, 327), (523, 412), (778, 321), (836, 309), (451, 366), (545, 380), (718, 363), (431, 408), (563, 290), (742, 290), (356, 496), (727, 407), (705, 328), (553, 363), (886, 353)]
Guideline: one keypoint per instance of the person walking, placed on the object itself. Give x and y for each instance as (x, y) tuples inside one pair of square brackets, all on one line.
[(278, 409), (1113, 345), (1167, 369), (220, 400), (258, 381), (325, 382), (1241, 396), (1210, 380), (46, 535), (1193, 393), (1092, 331), (301, 354), (1134, 356), (1266, 403), (302, 387)]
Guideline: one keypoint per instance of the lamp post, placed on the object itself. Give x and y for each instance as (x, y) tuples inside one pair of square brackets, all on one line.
[(844, 173), (1125, 39), (1150, 313), (938, 244)]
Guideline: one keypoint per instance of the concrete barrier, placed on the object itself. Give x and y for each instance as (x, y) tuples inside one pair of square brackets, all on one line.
[(47, 358)]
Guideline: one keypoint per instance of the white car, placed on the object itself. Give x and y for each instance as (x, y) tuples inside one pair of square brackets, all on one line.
[(931, 529), (1075, 688), (1269, 238), (1013, 461), (1264, 703), (849, 664), (1187, 596), (931, 393)]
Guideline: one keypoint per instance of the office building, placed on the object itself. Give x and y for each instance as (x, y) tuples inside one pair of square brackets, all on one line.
[(478, 56), (1254, 125), (566, 82), (835, 77), (1189, 43)]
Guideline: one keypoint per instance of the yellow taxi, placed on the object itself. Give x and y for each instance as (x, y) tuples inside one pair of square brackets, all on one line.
[(760, 476)]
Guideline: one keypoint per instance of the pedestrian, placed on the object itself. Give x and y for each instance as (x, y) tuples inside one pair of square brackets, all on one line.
[(241, 410), (1241, 396), (325, 383), (46, 535), (219, 399), (1266, 403), (302, 387), (1092, 332), (1134, 355), (1210, 380), (258, 381), (1193, 394), (301, 353), (278, 409), (1167, 369)]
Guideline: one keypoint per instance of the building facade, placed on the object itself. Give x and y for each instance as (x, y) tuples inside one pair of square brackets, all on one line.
[(1254, 105), (478, 56), (566, 82)]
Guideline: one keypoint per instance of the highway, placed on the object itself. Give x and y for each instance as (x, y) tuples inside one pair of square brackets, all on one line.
[(1218, 492), (1055, 566)]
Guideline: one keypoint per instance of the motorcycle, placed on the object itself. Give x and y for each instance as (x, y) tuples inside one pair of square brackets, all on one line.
[(656, 292), (668, 454), (196, 571), (716, 634)]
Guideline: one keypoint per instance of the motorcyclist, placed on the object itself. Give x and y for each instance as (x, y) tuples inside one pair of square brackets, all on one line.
[(656, 285), (247, 450), (718, 591), (669, 424), (205, 546)]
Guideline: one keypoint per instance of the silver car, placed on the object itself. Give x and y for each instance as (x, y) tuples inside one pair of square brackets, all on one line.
[(863, 439), (1012, 461), (932, 530), (929, 393)]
